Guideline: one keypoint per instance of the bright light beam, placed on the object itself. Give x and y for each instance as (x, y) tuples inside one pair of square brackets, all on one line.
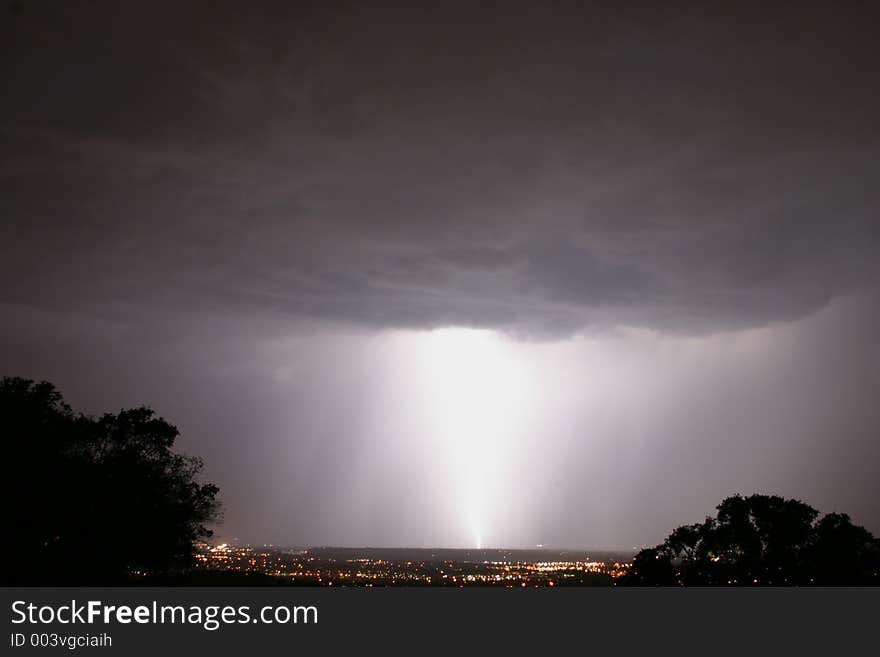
[(475, 396)]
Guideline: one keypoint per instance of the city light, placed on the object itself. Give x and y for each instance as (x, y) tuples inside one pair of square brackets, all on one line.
[(347, 567)]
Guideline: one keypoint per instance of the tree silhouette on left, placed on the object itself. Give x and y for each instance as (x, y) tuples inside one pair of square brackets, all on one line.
[(94, 500)]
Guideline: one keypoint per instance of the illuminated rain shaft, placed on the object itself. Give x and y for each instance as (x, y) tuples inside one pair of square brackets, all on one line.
[(475, 396)]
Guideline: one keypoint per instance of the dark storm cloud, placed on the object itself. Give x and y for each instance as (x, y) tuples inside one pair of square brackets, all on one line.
[(211, 209), (535, 170)]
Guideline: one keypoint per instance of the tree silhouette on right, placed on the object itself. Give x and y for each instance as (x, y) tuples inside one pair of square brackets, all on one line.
[(762, 540)]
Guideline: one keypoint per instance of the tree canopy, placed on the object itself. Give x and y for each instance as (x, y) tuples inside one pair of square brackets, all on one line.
[(762, 540), (94, 500)]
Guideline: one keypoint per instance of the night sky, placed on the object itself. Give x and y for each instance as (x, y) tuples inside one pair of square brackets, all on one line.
[(563, 274)]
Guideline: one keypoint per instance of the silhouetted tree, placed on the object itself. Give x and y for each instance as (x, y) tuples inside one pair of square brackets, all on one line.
[(652, 567), (762, 539), (92, 500), (833, 536)]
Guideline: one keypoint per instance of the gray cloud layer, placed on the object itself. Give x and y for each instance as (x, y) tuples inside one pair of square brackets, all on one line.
[(539, 172), (222, 212)]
